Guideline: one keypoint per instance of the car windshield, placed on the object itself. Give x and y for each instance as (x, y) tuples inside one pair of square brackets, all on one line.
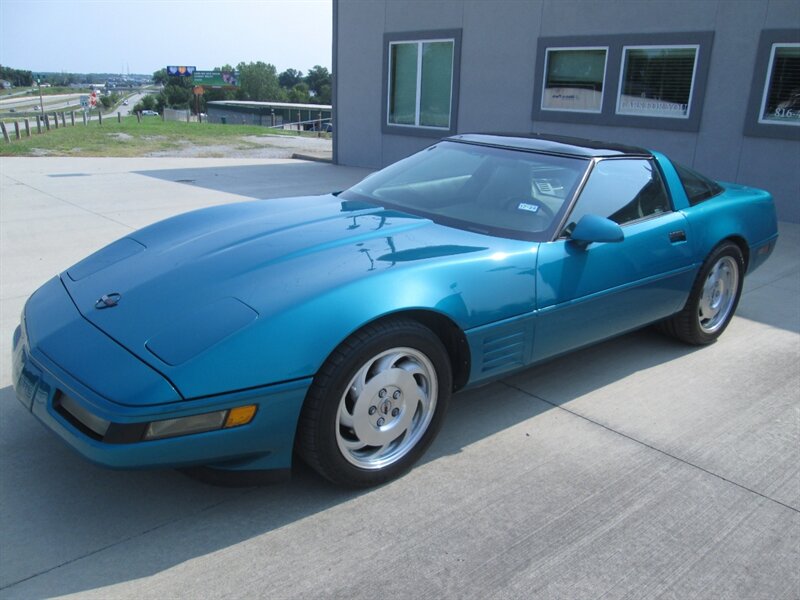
[(509, 193)]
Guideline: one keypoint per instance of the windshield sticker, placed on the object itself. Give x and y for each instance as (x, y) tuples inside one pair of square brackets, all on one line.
[(529, 207)]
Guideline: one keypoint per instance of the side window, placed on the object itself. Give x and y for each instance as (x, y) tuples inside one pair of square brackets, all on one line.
[(622, 190), (697, 187)]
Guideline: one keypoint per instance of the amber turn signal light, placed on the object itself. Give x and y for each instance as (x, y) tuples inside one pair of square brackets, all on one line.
[(241, 415)]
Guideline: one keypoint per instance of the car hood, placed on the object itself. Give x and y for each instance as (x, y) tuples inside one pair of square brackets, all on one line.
[(171, 292)]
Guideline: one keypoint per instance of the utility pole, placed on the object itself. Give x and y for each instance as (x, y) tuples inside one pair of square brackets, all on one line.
[(41, 102)]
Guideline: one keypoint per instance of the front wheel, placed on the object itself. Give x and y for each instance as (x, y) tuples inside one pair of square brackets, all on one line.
[(376, 404), (713, 299)]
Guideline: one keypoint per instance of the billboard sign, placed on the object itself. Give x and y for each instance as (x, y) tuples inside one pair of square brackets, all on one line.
[(217, 79), (180, 71)]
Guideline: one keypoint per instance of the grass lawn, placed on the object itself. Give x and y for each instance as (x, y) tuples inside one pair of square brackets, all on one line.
[(129, 138)]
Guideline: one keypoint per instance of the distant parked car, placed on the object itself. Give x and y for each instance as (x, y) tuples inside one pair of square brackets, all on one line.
[(125, 102), (327, 127), (149, 113)]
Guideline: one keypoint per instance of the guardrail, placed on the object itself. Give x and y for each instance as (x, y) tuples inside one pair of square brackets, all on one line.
[(310, 125), (319, 125), (17, 129), (47, 121)]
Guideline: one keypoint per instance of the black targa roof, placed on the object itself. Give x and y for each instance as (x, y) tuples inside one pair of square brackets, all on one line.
[(552, 144)]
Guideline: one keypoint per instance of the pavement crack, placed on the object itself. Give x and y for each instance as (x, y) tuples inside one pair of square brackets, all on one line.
[(73, 204), (125, 540), (651, 447)]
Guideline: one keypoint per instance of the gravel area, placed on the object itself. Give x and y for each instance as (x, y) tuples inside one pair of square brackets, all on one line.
[(252, 146)]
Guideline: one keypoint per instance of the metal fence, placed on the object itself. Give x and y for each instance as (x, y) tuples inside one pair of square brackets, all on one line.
[(173, 114)]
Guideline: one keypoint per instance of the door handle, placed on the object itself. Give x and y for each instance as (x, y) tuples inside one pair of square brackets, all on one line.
[(677, 236)]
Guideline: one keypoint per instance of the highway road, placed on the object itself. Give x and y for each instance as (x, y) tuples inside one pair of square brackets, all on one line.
[(128, 110), (26, 104)]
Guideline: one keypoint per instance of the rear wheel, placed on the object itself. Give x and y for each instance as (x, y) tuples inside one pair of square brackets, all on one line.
[(713, 299), (376, 404)]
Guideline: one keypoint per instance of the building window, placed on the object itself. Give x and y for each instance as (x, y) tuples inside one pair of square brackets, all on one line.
[(657, 81), (780, 103), (654, 81), (420, 83), (573, 79)]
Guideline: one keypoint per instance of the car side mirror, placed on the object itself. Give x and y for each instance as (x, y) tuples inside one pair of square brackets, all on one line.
[(593, 228)]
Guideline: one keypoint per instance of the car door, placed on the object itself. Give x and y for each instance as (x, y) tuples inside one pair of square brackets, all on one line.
[(586, 293)]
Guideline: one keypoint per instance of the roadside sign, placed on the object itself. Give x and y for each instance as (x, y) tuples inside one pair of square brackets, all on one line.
[(93, 99), (198, 90), (175, 71), (84, 101), (217, 79)]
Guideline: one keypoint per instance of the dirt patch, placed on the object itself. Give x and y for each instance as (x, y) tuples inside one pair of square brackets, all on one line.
[(122, 137), (253, 146)]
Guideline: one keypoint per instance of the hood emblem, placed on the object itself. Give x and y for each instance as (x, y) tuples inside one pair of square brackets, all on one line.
[(108, 300)]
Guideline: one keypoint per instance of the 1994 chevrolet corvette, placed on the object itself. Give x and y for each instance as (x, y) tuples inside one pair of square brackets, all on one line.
[(336, 327)]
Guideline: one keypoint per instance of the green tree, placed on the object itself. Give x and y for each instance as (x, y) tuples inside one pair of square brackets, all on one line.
[(290, 78), (160, 77), (318, 81), (109, 100), (259, 81), (176, 93), (148, 102), (324, 96), (299, 94), (16, 76)]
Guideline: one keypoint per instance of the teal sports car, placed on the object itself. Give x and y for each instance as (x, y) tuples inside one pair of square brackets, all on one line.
[(230, 340)]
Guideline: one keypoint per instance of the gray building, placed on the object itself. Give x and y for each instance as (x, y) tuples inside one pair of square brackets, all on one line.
[(715, 84)]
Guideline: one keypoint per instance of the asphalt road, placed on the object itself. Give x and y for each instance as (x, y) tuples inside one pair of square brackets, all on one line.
[(638, 468), (127, 109), (24, 106), (27, 102)]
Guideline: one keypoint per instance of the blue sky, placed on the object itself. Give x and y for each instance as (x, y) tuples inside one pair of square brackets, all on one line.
[(142, 36)]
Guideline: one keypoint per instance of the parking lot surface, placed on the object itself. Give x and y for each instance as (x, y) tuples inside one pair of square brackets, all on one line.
[(637, 468)]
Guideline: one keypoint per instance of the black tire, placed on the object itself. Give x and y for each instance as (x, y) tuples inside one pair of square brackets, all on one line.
[(392, 362), (692, 325)]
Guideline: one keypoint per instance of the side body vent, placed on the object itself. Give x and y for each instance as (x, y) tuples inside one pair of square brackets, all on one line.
[(501, 352)]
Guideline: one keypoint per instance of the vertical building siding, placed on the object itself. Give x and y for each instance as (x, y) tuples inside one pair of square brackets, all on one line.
[(497, 88)]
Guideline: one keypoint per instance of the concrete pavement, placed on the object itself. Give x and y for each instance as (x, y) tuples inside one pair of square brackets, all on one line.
[(638, 468)]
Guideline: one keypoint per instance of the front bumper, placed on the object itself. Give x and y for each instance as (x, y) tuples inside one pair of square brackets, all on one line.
[(265, 443)]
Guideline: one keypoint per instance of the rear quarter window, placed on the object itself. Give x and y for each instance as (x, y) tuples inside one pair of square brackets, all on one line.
[(697, 187)]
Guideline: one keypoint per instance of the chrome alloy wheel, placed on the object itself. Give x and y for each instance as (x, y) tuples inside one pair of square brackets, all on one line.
[(718, 294), (386, 408)]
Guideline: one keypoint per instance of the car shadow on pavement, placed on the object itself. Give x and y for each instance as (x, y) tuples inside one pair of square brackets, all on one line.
[(69, 526), (269, 180)]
